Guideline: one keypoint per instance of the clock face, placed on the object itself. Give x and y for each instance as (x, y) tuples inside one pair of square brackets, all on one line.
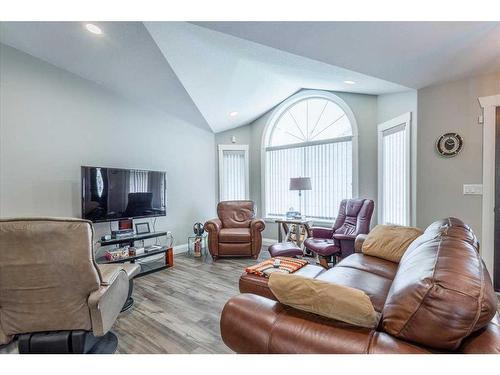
[(449, 144)]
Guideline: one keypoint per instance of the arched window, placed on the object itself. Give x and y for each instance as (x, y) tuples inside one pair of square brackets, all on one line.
[(312, 134)]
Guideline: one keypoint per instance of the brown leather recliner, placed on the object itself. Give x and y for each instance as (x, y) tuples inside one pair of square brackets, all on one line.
[(438, 299), (53, 296), (236, 232)]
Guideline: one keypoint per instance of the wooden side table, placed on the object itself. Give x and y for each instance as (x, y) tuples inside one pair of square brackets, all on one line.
[(301, 226)]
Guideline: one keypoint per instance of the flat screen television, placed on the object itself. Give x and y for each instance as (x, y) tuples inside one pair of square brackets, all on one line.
[(113, 194)]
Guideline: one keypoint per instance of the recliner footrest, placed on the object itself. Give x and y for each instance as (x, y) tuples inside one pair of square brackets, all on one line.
[(66, 342)]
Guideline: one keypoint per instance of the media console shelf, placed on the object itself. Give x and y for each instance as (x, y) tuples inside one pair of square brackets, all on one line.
[(130, 241)]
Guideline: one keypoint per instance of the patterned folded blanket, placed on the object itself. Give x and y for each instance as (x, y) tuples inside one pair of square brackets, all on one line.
[(287, 265)]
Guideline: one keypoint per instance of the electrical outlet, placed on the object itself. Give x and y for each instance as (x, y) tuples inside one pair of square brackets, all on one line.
[(473, 189)]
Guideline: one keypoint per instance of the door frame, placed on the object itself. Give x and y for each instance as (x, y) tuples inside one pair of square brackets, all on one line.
[(397, 121), (233, 147), (487, 249)]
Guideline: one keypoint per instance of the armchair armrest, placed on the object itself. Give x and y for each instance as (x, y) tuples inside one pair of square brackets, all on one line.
[(358, 242), (257, 225), (213, 226), (106, 302), (344, 237), (321, 232)]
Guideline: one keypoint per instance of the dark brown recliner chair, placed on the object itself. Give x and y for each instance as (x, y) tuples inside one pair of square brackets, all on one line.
[(53, 296), (354, 218), (236, 232)]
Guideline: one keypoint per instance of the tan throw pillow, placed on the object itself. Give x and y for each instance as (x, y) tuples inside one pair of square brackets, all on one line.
[(334, 301), (389, 241)]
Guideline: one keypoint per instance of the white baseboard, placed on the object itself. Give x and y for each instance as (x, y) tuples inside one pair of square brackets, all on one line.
[(179, 249), (268, 241)]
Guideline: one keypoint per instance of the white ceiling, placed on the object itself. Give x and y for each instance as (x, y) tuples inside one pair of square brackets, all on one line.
[(201, 74), (413, 54), (223, 73), (124, 59)]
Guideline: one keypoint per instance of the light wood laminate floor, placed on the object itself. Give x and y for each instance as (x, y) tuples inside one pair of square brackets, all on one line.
[(177, 310)]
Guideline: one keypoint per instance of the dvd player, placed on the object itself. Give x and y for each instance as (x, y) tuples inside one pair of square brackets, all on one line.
[(122, 233)]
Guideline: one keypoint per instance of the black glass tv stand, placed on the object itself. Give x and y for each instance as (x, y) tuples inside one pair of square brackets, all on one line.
[(129, 240)]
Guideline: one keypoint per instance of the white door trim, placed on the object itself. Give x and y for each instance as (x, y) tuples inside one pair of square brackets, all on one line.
[(232, 147), (397, 121), (489, 104)]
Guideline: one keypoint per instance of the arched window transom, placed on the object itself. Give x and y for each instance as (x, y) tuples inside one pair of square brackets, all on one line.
[(311, 119), (312, 135)]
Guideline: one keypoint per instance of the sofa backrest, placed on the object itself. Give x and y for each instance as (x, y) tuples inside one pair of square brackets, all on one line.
[(236, 214), (354, 216), (442, 291), (47, 273)]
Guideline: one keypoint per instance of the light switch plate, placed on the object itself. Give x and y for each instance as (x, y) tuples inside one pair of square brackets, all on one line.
[(473, 189)]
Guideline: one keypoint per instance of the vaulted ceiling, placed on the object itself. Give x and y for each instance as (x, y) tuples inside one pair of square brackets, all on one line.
[(202, 72)]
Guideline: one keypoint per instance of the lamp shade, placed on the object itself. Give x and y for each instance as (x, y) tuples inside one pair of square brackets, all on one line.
[(300, 183)]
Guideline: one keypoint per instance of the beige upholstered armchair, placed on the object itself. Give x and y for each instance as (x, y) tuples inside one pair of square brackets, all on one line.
[(53, 296)]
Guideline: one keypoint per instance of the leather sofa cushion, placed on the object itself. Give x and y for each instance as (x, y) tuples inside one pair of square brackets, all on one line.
[(377, 266), (333, 301), (236, 214), (375, 286), (235, 235), (389, 241), (442, 291)]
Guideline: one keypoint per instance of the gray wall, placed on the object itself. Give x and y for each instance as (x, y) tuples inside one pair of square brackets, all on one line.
[(451, 107), (390, 106), (52, 122), (364, 108)]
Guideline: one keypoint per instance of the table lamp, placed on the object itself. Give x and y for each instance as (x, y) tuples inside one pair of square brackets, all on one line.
[(300, 183)]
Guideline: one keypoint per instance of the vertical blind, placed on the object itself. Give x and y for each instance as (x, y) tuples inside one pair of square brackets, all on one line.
[(329, 166), (138, 181), (233, 179), (395, 187)]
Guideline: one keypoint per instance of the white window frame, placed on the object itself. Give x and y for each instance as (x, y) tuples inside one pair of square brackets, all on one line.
[(404, 119), (233, 147), (273, 120)]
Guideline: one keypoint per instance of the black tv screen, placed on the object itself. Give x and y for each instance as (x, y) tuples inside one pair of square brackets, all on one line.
[(113, 194)]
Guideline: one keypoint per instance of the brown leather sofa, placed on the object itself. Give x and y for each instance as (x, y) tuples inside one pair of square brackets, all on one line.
[(54, 298), (236, 232), (438, 299)]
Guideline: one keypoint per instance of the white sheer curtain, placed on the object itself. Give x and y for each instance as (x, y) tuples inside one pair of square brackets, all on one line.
[(233, 165)]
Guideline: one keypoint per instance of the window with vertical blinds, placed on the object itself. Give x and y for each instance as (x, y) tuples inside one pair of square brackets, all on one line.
[(311, 138), (394, 171), (233, 174)]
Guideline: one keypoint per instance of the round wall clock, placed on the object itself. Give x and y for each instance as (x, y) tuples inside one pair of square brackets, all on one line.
[(449, 144)]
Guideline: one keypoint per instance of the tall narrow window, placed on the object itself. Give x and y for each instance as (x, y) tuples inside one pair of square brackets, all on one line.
[(233, 172), (394, 171), (311, 135)]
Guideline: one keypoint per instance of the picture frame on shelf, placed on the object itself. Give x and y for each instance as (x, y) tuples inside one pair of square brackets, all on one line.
[(142, 228)]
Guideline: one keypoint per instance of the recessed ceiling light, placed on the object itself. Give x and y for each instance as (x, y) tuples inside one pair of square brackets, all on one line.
[(94, 29), (233, 114), (350, 82)]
